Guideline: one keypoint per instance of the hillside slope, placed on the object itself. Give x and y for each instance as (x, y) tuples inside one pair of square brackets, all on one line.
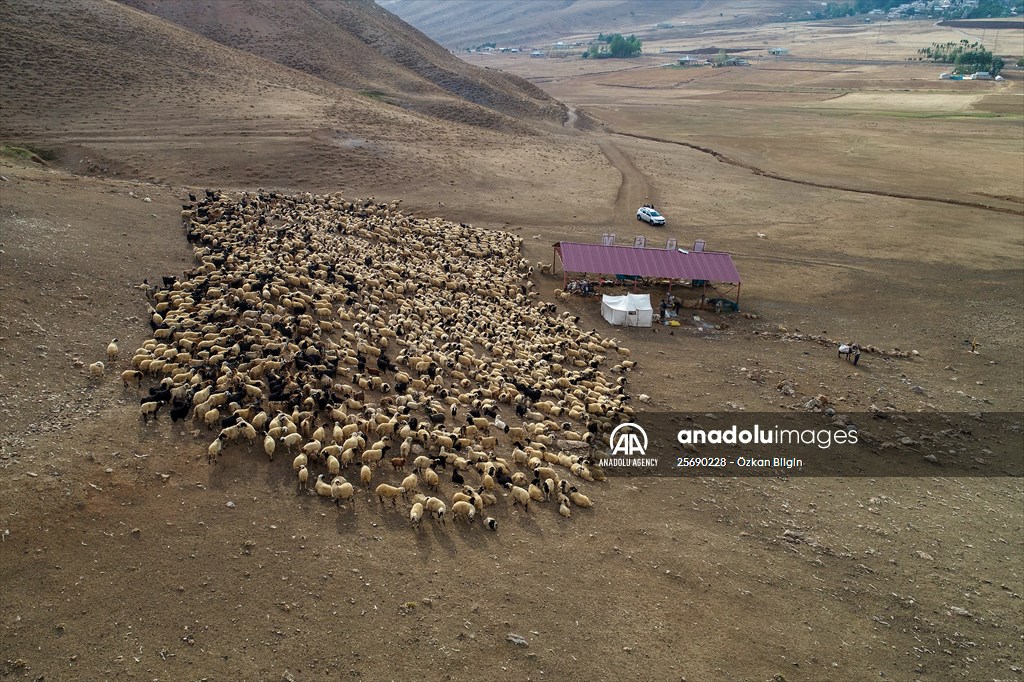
[(113, 90), (361, 46), (467, 24)]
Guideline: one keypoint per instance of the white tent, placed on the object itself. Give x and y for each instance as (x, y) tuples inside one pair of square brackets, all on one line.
[(631, 310)]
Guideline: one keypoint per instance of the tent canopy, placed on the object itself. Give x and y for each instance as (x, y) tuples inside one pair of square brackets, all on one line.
[(712, 266), (631, 310)]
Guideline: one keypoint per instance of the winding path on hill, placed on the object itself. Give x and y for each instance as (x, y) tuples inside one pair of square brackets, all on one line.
[(634, 189)]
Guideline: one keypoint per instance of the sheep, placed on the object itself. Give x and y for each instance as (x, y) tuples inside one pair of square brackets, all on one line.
[(436, 508), (410, 482), (323, 489), (398, 463), (389, 491), (564, 510), (463, 510), (112, 351), (300, 461), (416, 514), (291, 440), (131, 375), (579, 499), (490, 523), (303, 476), (521, 496), (150, 408), (333, 465), (341, 490), (365, 474), (214, 450), (431, 478), (96, 370)]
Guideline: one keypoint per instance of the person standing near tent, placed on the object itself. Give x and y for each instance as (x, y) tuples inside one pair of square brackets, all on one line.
[(661, 308)]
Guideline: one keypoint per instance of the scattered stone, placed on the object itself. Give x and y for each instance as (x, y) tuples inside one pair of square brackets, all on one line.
[(231, 504), (148, 200), (959, 611), (518, 640), (923, 555), (931, 458), (907, 440), (136, 532)]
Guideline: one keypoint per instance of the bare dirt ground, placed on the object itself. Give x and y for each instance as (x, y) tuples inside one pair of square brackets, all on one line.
[(121, 559)]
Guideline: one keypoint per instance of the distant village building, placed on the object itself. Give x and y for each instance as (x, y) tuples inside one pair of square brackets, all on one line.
[(778, 51), (692, 60)]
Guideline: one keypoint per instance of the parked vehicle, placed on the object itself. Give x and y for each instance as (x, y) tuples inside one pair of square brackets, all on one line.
[(649, 215)]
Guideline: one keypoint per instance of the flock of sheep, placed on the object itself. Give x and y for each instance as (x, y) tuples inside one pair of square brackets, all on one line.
[(411, 353)]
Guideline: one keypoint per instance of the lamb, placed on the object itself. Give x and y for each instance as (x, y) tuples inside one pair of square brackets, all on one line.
[(96, 370), (564, 510), (390, 491), (112, 351), (491, 523)]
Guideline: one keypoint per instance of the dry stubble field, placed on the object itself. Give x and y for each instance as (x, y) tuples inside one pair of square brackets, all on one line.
[(121, 560)]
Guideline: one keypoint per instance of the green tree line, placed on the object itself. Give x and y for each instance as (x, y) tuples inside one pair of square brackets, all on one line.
[(614, 46), (965, 57)]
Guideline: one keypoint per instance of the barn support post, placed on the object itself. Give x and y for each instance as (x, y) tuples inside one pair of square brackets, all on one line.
[(739, 287)]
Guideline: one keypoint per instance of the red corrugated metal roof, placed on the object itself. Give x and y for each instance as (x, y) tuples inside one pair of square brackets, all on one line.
[(627, 260)]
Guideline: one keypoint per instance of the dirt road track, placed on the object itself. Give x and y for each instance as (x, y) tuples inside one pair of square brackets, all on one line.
[(634, 190)]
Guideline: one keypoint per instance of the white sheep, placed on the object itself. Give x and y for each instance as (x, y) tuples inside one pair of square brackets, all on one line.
[(436, 508), (564, 510), (269, 445), (112, 351), (97, 369), (463, 510), (579, 499), (131, 375), (322, 487), (410, 482), (365, 474), (303, 476), (491, 523), (389, 491), (341, 490), (521, 496), (150, 408), (416, 514), (213, 452), (431, 478)]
